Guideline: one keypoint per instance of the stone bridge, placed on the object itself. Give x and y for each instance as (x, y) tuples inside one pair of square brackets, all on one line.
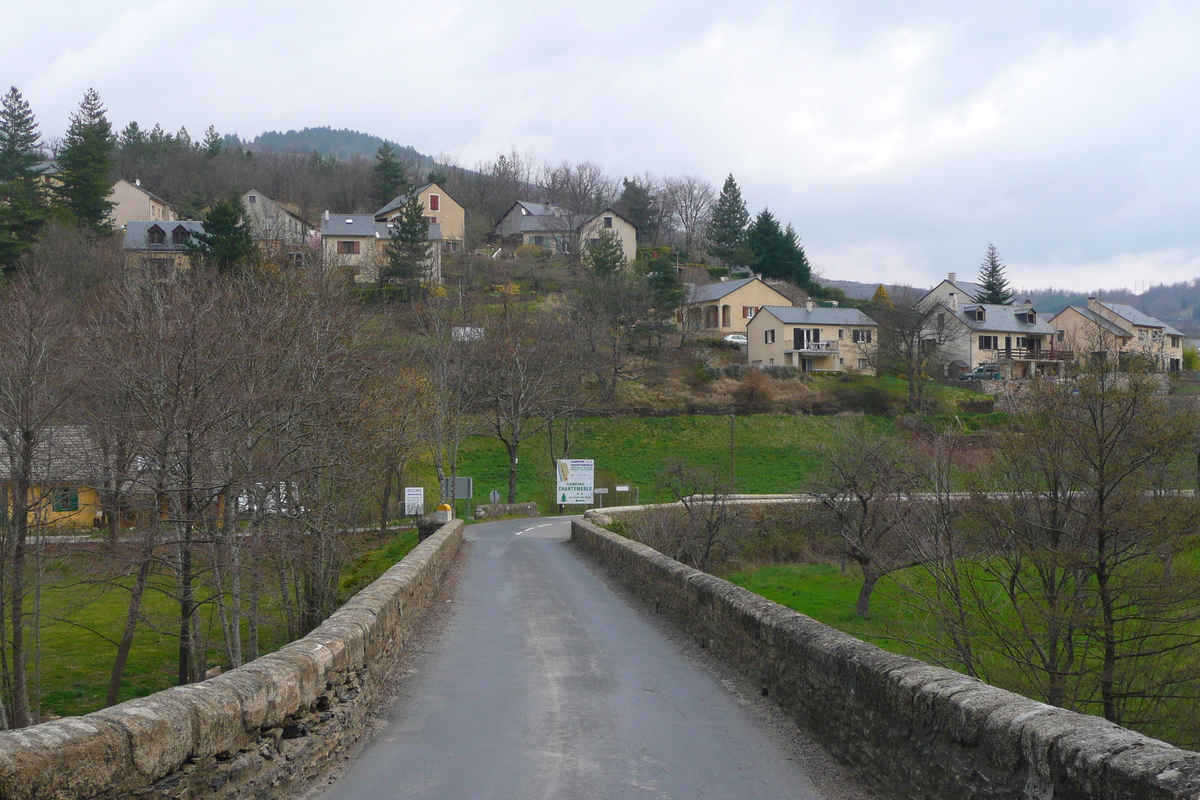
[(577, 663)]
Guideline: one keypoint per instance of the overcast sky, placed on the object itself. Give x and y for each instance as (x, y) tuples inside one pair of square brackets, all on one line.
[(899, 138)]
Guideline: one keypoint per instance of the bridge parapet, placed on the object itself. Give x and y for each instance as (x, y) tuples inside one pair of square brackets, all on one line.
[(259, 730), (911, 729)]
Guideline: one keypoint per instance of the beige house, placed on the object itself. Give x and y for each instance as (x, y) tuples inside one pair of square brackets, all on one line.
[(440, 209), (553, 228), (158, 247), (132, 202), (1116, 331), (813, 338), (358, 244), (726, 306), (280, 234), (951, 291), (1014, 338)]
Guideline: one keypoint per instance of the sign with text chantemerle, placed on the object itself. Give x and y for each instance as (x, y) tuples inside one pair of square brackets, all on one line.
[(576, 481)]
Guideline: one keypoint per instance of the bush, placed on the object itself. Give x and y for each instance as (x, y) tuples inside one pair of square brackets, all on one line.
[(867, 398), (754, 395), (699, 376), (1191, 358)]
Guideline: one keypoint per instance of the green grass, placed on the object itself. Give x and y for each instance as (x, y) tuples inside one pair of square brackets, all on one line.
[(772, 453), (82, 622)]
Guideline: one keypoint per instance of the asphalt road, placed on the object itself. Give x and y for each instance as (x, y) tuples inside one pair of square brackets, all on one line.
[(545, 682)]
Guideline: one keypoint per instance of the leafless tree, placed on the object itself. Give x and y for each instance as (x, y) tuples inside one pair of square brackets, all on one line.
[(689, 200), (915, 342)]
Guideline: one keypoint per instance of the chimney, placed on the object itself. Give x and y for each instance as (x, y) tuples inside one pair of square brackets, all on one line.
[(808, 303), (953, 300), (327, 215), (1092, 304), (1028, 303), (952, 277)]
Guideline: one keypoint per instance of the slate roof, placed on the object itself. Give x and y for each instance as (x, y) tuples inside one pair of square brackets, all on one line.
[(66, 453), (971, 290), (1138, 318), (1104, 323), (399, 201), (819, 315), (1002, 318), (715, 291), (137, 230), (365, 225)]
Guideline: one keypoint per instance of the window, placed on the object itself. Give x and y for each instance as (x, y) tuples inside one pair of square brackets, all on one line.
[(65, 498), (862, 363), (841, 362), (539, 241), (180, 235), (435, 202), (862, 336), (156, 235), (253, 199), (841, 333), (431, 220), (977, 314), (1060, 335), (748, 312), (349, 248), (989, 343), (608, 222), (769, 336)]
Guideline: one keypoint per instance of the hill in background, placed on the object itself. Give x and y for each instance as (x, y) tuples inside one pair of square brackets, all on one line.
[(339, 143)]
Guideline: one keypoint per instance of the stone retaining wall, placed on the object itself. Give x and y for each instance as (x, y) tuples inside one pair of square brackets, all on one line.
[(493, 510), (910, 729), (258, 731)]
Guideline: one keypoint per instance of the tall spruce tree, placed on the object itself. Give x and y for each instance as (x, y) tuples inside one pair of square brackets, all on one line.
[(799, 270), (227, 242), (85, 165), (22, 203), (767, 247), (408, 250), (391, 181), (991, 278), (728, 224)]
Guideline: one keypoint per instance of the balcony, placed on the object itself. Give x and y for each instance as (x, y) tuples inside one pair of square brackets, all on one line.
[(1032, 354), (810, 348)]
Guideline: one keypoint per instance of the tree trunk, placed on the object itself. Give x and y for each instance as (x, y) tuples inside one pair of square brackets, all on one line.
[(512, 471), (135, 605), (863, 606), (20, 520)]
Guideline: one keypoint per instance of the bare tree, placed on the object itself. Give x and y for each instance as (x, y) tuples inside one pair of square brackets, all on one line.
[(689, 200), (915, 342)]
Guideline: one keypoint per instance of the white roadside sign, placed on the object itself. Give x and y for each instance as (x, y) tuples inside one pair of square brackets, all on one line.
[(414, 501), (576, 481)]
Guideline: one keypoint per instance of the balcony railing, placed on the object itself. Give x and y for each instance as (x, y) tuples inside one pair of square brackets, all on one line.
[(819, 348), (1032, 354)]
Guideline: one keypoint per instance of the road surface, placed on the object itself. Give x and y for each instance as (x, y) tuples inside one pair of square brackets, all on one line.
[(547, 683)]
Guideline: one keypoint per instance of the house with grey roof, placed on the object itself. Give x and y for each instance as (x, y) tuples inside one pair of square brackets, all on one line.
[(440, 209), (561, 231), (813, 338), (726, 306), (951, 291), (1119, 332), (159, 247), (280, 234), (358, 244), (1015, 338)]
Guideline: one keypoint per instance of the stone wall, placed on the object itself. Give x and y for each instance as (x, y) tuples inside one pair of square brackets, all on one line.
[(258, 731), (911, 729)]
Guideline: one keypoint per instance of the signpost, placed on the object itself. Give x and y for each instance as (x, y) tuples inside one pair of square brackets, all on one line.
[(495, 496), (576, 481), (600, 496), (414, 501), (461, 489)]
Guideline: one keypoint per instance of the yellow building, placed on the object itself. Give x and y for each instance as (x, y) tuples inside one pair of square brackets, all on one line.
[(726, 306), (441, 210), (359, 245), (1116, 331), (63, 493), (813, 338), (130, 201)]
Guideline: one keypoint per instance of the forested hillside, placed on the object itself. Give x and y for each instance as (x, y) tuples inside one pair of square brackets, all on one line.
[(340, 143)]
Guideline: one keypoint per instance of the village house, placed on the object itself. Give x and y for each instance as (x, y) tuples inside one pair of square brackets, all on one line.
[(951, 290), (358, 244), (1014, 338), (553, 228), (159, 248), (1118, 332), (132, 202), (726, 306), (813, 338), (440, 209), (280, 234), (63, 492)]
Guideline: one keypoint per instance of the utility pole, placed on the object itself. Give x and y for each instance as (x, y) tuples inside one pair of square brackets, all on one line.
[(732, 418)]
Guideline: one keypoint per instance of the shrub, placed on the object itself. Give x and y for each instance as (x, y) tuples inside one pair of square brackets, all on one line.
[(868, 398), (755, 394), (699, 376)]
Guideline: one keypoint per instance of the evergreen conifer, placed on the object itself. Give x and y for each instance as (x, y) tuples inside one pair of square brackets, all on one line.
[(606, 254), (408, 250), (22, 203), (85, 165), (390, 178), (728, 224), (227, 241), (991, 278)]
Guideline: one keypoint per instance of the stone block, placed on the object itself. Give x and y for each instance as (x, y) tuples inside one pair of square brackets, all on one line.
[(161, 732), (64, 759), (218, 721)]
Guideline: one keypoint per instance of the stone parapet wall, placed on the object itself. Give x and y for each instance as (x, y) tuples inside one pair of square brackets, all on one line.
[(910, 729), (261, 730), (493, 510)]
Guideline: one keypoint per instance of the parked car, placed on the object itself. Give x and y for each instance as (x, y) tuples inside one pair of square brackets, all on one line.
[(736, 338), (984, 372)]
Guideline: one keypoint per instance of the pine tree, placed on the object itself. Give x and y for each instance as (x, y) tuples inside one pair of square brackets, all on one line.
[(85, 165), (408, 250), (767, 247), (881, 298), (799, 270), (22, 204), (227, 242), (391, 181), (212, 145), (727, 227), (132, 138), (606, 254), (991, 278), (665, 285), (639, 205)]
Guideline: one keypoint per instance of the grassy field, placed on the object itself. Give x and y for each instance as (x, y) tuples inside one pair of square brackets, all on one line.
[(83, 621)]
